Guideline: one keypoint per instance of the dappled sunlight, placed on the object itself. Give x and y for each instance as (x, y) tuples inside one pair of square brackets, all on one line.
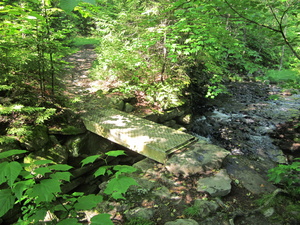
[(143, 136)]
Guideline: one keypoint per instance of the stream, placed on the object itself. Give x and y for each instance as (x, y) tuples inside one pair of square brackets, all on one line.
[(244, 121)]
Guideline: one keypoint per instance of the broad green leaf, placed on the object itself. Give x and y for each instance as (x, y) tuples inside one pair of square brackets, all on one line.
[(115, 153), (124, 168), (68, 5), (118, 186), (10, 153), (22, 186), (42, 170), (90, 159), (62, 167), (102, 219), (44, 191), (61, 176), (69, 221), (2, 172), (7, 200), (9, 172), (101, 171), (88, 202)]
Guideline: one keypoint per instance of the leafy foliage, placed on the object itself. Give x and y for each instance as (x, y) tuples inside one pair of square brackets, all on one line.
[(39, 195), (288, 176)]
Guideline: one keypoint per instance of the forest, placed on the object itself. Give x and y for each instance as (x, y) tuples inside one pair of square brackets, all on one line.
[(157, 55)]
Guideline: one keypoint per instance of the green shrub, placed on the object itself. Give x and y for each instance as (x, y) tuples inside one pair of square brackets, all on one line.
[(288, 176), (39, 191)]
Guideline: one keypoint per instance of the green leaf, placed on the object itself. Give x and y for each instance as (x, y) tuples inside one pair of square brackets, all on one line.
[(61, 176), (88, 202), (69, 221), (2, 172), (10, 153), (101, 171), (124, 169), (9, 172), (68, 5), (115, 153), (62, 167), (42, 170), (118, 186), (102, 219), (90, 159), (7, 200), (44, 191), (22, 186)]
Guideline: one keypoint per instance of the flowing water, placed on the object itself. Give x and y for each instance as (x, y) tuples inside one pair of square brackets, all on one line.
[(243, 121)]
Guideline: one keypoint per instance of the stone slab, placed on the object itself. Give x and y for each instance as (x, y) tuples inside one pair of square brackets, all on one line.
[(145, 137)]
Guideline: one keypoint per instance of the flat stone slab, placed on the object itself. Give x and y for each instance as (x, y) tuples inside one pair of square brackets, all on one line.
[(145, 137)]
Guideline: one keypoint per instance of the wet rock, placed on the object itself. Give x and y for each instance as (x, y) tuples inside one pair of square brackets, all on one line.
[(145, 213), (182, 222), (251, 174), (217, 185), (198, 158)]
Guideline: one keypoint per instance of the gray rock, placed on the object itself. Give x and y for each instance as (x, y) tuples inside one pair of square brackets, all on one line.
[(200, 158), (182, 222), (251, 174), (128, 108), (170, 115), (145, 213), (217, 185), (206, 208)]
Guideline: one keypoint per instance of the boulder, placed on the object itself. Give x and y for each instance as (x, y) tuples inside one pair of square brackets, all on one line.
[(217, 185), (251, 174), (198, 158)]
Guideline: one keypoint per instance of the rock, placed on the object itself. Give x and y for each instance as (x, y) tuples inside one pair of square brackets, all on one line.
[(185, 119), (128, 108), (217, 185), (37, 140), (170, 123), (56, 152), (88, 144), (145, 213), (170, 115), (205, 208), (251, 174), (198, 158), (162, 192), (182, 222), (75, 144)]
